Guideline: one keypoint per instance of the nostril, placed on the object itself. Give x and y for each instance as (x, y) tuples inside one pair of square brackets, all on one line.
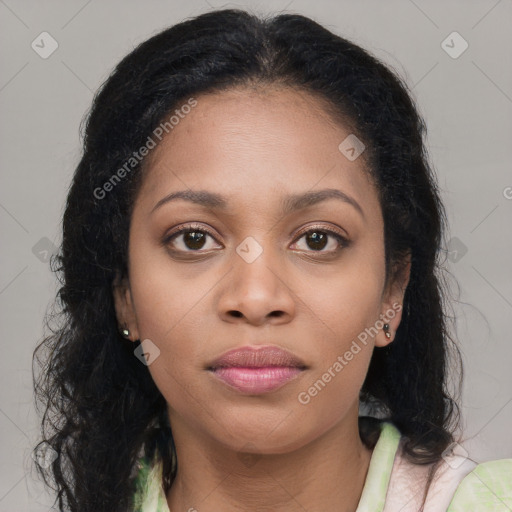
[(236, 313)]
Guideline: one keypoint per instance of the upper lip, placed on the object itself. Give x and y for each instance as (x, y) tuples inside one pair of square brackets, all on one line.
[(257, 357)]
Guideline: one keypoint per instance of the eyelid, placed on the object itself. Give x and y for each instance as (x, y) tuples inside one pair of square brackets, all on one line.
[(188, 227), (319, 227)]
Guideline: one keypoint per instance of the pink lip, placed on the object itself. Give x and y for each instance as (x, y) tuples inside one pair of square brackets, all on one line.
[(257, 370)]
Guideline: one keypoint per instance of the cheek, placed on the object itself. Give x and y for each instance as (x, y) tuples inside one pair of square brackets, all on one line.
[(347, 301), (344, 316), (168, 300), (177, 371), (343, 349), (165, 294)]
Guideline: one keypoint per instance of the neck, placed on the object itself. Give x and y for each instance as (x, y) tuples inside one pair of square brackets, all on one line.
[(325, 474)]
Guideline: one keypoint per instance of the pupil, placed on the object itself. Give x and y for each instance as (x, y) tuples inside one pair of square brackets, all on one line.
[(319, 240), (195, 238)]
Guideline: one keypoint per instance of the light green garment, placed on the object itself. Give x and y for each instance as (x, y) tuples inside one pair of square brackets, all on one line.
[(486, 488)]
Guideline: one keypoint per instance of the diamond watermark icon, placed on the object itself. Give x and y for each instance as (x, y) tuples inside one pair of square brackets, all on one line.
[(44, 455), (44, 249), (351, 147), (44, 45), (454, 45), (249, 249), (456, 249), (147, 352)]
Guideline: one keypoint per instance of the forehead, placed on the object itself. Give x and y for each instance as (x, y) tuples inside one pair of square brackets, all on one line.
[(253, 144)]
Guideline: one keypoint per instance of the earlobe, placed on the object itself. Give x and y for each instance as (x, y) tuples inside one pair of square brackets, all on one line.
[(125, 313), (390, 320)]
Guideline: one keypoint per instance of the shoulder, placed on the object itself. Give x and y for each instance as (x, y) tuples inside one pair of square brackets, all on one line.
[(488, 487), (458, 485)]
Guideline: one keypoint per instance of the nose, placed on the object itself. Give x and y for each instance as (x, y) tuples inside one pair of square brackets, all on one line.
[(257, 292)]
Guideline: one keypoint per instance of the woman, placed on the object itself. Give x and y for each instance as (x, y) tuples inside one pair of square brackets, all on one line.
[(250, 254)]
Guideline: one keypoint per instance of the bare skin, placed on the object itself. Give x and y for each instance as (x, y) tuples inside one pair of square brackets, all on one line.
[(269, 451)]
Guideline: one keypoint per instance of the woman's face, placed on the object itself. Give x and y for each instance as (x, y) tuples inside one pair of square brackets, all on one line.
[(247, 273)]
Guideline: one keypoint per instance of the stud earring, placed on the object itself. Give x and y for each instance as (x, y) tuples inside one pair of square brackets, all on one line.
[(387, 333), (125, 332)]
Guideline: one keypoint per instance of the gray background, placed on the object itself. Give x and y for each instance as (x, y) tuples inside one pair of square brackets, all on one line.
[(466, 102)]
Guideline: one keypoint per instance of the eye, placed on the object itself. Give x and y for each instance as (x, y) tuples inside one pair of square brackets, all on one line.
[(195, 239), (317, 238), (191, 238)]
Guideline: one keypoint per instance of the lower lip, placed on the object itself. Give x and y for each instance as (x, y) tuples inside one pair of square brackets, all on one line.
[(256, 380)]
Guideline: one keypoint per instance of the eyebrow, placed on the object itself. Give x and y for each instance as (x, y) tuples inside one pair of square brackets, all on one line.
[(290, 203)]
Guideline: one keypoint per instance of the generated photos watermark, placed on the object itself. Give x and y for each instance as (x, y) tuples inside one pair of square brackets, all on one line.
[(304, 397), (151, 142)]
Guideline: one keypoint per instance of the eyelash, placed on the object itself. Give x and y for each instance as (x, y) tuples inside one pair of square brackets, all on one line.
[(343, 241)]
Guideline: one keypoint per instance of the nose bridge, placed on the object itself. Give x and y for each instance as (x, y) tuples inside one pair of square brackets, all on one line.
[(255, 265), (256, 291)]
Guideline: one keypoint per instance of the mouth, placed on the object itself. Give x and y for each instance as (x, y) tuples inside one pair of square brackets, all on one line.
[(251, 370)]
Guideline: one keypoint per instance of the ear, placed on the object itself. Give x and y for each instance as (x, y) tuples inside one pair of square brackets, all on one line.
[(393, 300), (123, 303)]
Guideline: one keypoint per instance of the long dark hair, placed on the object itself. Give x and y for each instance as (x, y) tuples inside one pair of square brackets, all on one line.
[(102, 409)]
